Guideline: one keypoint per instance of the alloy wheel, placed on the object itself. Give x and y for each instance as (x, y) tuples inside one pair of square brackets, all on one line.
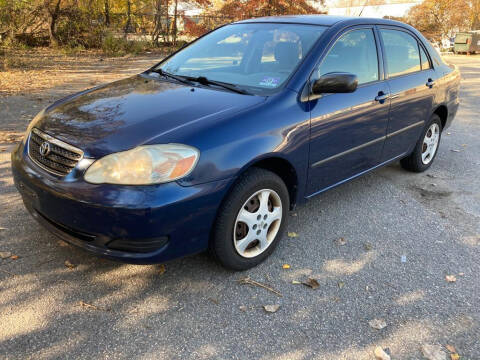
[(257, 223), (430, 143)]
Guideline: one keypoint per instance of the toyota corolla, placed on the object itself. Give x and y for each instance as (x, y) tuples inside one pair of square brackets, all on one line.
[(211, 148)]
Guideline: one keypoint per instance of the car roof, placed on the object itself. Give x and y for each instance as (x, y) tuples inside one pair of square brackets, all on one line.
[(324, 20)]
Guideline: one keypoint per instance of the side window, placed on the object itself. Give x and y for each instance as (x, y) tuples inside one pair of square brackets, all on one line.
[(424, 59), (354, 52), (401, 52)]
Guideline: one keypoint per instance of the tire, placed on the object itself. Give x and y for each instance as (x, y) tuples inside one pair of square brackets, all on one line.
[(263, 226), (426, 148)]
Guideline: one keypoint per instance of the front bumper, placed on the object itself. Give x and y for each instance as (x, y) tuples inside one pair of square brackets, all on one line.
[(134, 224)]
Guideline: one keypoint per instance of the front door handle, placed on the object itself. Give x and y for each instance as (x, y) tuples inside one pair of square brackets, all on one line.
[(430, 83), (382, 97)]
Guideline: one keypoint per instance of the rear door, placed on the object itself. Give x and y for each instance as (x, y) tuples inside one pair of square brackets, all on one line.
[(411, 79), (348, 130)]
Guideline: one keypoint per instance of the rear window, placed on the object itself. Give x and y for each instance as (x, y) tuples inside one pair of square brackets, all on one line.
[(401, 52)]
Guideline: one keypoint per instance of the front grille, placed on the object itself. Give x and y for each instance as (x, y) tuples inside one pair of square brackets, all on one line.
[(60, 159)]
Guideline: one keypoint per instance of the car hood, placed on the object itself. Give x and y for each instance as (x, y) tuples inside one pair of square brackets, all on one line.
[(133, 111)]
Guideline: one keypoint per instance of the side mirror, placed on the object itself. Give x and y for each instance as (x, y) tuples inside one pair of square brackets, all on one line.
[(335, 83)]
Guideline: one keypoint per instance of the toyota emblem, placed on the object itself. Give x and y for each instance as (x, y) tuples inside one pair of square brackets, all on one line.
[(45, 149)]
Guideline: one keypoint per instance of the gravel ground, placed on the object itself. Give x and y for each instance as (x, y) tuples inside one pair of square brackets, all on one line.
[(197, 310)]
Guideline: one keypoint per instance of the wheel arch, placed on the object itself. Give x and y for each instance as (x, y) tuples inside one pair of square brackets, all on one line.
[(280, 166), (442, 112)]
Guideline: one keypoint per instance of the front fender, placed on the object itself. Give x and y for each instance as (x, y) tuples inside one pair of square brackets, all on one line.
[(279, 128)]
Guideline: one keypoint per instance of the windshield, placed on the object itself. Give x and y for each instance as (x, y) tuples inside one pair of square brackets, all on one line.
[(257, 56)]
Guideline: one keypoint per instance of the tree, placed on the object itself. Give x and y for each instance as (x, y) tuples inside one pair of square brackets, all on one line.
[(439, 18), (53, 11), (254, 8)]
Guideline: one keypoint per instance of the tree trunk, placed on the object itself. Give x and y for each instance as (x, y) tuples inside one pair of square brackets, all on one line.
[(175, 15), (107, 13), (52, 28), (129, 18)]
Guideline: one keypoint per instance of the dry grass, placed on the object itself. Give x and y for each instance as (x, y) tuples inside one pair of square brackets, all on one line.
[(32, 71)]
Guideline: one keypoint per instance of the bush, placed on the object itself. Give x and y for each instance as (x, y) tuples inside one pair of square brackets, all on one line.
[(113, 46), (118, 46)]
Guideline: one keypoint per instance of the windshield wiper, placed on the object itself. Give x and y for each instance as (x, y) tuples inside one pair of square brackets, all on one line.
[(204, 81), (171, 76)]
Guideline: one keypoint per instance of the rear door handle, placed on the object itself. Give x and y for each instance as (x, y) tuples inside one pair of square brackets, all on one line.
[(381, 97), (430, 83)]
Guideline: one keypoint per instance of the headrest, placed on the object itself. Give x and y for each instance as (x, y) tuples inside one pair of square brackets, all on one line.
[(287, 53)]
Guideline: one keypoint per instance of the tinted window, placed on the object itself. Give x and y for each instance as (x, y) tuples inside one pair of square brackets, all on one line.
[(424, 59), (401, 52), (355, 52)]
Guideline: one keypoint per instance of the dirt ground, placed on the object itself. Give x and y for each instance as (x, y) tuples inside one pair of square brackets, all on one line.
[(403, 234)]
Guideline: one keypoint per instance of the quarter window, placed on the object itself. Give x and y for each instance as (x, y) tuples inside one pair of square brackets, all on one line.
[(401, 52), (354, 52), (424, 59)]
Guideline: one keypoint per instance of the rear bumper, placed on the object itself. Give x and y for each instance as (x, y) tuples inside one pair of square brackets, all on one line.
[(134, 224)]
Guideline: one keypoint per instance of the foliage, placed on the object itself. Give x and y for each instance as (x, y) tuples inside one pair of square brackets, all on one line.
[(118, 46), (122, 26), (253, 8), (438, 18)]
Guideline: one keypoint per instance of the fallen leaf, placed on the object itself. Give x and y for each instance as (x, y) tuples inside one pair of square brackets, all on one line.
[(286, 266), (340, 241), (380, 354), (450, 278), (14, 257), (69, 265), (312, 283), (451, 348), (292, 234), (378, 324), (92, 307), (454, 356), (296, 282), (271, 308), (5, 254), (433, 352), (341, 284), (367, 246), (242, 308), (161, 269)]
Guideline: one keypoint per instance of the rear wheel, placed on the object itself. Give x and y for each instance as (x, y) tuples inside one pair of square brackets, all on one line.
[(426, 148), (251, 220)]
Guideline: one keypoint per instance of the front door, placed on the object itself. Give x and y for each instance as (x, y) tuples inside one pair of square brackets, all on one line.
[(348, 130)]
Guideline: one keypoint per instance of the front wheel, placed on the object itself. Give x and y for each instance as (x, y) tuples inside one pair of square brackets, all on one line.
[(426, 148), (251, 220)]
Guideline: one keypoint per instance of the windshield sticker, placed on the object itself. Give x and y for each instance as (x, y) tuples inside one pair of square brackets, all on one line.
[(269, 81)]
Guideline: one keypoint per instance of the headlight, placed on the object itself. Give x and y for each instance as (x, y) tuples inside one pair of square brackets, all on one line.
[(148, 164)]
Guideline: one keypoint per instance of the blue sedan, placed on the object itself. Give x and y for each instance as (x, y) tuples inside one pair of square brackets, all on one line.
[(211, 148)]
